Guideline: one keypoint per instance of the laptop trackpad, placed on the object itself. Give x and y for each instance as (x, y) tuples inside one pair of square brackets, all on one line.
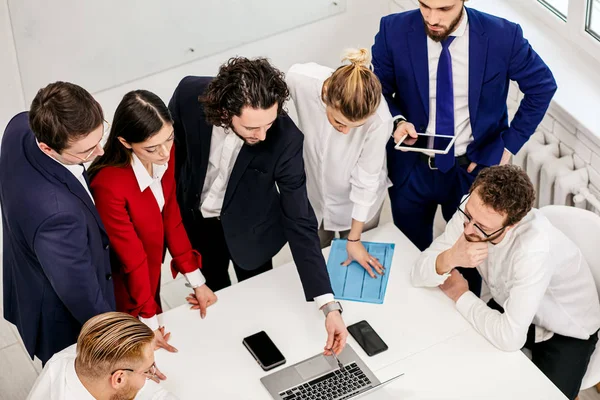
[(313, 367)]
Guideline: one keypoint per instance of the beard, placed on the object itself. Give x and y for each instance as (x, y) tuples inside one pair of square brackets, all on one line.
[(127, 393), (443, 35), (477, 238), (246, 141)]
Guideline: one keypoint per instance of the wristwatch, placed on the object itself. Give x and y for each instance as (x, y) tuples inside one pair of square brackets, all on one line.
[(333, 306), (397, 122)]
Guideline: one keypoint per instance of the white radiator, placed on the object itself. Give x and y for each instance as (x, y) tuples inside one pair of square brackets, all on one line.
[(558, 175)]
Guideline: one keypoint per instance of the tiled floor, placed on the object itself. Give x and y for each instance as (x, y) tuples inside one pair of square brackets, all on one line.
[(18, 372)]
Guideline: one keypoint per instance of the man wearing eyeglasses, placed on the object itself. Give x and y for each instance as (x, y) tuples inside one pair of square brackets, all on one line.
[(56, 260), (543, 292), (113, 359)]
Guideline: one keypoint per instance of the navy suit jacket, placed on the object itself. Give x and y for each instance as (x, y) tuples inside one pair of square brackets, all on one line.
[(266, 203), (56, 256), (498, 53)]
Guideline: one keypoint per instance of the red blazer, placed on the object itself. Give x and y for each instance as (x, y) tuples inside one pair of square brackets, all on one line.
[(137, 232)]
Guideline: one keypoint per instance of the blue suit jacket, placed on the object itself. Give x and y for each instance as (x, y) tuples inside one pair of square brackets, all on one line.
[(56, 257), (498, 53)]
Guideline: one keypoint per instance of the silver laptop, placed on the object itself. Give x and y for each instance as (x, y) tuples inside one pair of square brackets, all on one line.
[(320, 377)]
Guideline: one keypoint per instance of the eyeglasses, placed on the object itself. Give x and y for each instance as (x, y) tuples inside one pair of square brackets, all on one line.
[(469, 220), (149, 374), (106, 129)]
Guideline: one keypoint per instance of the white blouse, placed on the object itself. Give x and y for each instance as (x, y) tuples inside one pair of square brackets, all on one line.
[(346, 174), (154, 182)]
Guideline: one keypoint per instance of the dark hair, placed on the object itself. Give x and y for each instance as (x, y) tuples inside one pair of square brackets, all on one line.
[(506, 189), (62, 113), (140, 115), (242, 82)]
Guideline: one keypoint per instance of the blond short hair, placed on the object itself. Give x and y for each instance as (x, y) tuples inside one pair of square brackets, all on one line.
[(109, 340), (353, 89)]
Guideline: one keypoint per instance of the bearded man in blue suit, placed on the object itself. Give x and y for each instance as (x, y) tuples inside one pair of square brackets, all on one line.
[(446, 69)]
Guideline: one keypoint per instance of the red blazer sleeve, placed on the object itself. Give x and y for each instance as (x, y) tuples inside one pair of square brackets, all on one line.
[(185, 259), (109, 194)]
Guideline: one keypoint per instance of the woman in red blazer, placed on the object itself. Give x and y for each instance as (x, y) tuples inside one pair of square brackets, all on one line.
[(133, 186)]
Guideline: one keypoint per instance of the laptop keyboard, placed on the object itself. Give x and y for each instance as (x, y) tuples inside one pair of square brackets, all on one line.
[(337, 385)]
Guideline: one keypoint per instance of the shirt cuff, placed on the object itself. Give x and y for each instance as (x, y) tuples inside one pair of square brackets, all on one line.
[(437, 279), (360, 212), (466, 302), (323, 299), (151, 322), (195, 278)]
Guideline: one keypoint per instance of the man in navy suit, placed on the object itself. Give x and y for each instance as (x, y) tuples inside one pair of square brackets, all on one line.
[(241, 184), (446, 69), (56, 261)]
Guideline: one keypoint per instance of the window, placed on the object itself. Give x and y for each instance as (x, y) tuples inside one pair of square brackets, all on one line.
[(558, 7), (593, 18)]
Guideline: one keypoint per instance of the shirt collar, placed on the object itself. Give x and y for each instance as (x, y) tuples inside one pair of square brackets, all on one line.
[(462, 26), (75, 169), (75, 387), (142, 176)]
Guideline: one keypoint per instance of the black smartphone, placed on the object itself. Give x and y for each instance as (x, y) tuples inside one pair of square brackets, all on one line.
[(264, 350), (367, 338)]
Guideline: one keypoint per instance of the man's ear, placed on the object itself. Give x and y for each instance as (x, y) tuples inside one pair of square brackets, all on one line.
[(118, 380), (46, 149), (509, 227)]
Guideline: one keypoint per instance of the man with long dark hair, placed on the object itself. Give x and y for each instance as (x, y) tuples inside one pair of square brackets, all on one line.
[(56, 260), (241, 183)]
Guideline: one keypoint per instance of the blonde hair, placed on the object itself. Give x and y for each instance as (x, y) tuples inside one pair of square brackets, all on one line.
[(353, 89), (109, 339)]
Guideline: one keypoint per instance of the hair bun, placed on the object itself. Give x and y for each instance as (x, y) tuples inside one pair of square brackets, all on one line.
[(358, 57)]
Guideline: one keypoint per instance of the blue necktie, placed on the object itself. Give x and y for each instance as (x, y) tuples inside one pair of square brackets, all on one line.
[(444, 104)]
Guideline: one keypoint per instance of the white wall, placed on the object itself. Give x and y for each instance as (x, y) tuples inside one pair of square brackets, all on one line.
[(322, 42)]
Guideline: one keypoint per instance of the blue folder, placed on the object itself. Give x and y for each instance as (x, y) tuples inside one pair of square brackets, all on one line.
[(353, 282)]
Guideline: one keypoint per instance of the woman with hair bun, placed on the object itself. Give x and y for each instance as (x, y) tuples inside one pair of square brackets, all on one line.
[(346, 125)]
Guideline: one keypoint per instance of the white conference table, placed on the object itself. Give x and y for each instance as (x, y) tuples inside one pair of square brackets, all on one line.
[(440, 354)]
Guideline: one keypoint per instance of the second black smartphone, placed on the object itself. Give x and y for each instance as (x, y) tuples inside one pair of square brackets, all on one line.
[(367, 338), (264, 350)]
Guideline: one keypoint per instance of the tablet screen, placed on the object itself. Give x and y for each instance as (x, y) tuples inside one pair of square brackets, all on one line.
[(427, 142)]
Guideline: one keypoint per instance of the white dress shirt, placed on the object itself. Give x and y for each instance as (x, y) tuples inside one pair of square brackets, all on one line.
[(77, 171), (59, 381), (225, 147), (346, 174), (536, 273), (145, 181), (459, 51)]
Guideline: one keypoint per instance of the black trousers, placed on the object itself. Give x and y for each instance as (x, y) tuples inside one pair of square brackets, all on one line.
[(207, 237), (562, 359)]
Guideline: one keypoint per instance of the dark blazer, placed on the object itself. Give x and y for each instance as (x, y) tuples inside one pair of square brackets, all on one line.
[(498, 53), (56, 257), (138, 231), (257, 218)]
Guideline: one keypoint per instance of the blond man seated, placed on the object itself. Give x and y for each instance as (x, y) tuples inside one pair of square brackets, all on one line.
[(112, 360)]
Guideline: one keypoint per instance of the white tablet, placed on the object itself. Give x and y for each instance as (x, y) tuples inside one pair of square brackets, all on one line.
[(427, 142)]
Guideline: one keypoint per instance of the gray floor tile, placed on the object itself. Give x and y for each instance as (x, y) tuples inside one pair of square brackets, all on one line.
[(18, 374), (7, 335)]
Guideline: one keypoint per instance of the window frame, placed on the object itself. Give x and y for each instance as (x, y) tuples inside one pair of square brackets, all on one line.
[(588, 21), (574, 29), (553, 10)]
